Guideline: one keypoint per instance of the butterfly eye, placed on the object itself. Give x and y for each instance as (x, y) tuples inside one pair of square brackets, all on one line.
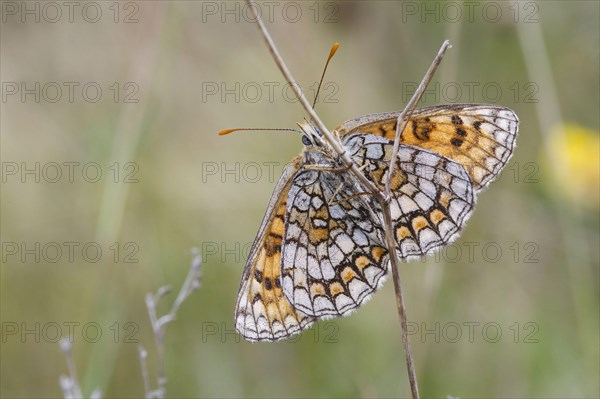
[(305, 140)]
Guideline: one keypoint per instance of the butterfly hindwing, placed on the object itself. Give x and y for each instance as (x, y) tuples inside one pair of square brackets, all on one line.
[(333, 252), (432, 195)]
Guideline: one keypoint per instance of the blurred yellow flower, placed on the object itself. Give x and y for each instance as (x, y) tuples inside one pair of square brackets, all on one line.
[(573, 158)]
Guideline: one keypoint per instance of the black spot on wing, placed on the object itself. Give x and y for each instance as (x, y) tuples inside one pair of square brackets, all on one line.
[(457, 120), (268, 284), (456, 142)]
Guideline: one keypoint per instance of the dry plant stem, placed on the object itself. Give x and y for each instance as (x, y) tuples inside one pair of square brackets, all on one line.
[(143, 356), (389, 234), (335, 144), (402, 120), (70, 385), (158, 329), (382, 197), (191, 283), (391, 244)]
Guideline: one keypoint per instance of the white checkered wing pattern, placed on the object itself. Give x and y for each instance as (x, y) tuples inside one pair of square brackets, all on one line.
[(333, 257), (433, 196)]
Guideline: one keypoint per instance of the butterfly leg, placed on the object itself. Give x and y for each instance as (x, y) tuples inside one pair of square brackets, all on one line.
[(330, 169)]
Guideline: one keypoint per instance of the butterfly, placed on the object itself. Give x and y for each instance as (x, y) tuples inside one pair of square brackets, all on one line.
[(320, 250)]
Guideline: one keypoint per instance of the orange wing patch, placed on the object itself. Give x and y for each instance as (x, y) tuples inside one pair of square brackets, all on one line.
[(479, 137), (263, 313)]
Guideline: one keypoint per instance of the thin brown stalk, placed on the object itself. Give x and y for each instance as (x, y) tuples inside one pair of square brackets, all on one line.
[(389, 234), (404, 116), (382, 196), (335, 144), (391, 244)]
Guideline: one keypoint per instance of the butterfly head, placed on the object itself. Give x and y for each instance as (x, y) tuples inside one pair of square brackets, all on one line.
[(311, 135)]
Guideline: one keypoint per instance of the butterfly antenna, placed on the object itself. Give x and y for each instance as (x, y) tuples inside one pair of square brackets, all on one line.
[(227, 131), (331, 54)]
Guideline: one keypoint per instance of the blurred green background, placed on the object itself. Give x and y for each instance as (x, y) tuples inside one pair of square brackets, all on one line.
[(510, 310)]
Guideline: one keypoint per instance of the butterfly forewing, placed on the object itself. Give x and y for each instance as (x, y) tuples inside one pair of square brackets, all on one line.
[(479, 137), (262, 311)]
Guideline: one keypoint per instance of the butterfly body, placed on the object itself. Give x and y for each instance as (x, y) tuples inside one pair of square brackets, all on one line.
[(320, 250)]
